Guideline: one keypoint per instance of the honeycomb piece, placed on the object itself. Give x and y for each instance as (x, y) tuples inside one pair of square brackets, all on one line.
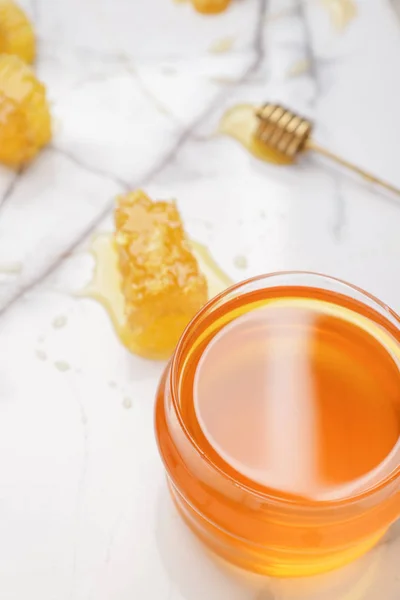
[(16, 33), (25, 124), (161, 282), (211, 6)]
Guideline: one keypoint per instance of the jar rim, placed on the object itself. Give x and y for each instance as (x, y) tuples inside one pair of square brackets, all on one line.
[(306, 504)]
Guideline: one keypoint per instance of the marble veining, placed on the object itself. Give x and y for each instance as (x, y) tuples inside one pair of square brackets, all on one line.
[(137, 93)]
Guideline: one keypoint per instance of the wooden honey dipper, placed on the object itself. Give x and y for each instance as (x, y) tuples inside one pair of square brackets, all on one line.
[(289, 134)]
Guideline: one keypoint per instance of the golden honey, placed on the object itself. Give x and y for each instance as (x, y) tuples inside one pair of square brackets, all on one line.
[(278, 421), (241, 123), (210, 7), (160, 278), (25, 121), (16, 32)]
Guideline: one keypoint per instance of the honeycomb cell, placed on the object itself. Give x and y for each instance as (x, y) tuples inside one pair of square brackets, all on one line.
[(25, 123), (16, 32), (161, 281)]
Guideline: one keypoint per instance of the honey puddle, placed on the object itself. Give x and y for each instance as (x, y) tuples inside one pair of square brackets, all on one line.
[(240, 123), (341, 12), (223, 45), (11, 268), (105, 285)]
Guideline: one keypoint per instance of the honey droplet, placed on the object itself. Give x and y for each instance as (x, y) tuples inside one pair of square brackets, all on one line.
[(240, 262), (60, 322), (62, 366), (300, 67), (41, 354), (11, 268), (223, 45), (127, 403), (341, 12)]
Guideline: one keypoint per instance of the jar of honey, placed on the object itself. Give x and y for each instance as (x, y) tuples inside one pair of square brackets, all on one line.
[(278, 421)]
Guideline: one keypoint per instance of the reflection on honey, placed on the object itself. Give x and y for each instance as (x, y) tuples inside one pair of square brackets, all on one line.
[(311, 395), (352, 582), (240, 123), (105, 286)]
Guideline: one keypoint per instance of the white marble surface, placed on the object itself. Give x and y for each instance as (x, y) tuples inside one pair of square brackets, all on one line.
[(136, 94)]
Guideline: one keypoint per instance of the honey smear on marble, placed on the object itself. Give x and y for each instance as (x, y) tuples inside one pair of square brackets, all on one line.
[(164, 279), (222, 46), (241, 123), (341, 12)]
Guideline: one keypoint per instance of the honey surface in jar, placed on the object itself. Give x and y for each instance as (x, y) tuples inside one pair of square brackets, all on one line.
[(211, 6), (299, 396), (16, 33), (161, 282), (25, 123)]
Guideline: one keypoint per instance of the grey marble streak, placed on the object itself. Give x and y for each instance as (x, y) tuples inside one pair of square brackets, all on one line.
[(124, 185), (293, 68), (339, 221), (318, 66), (301, 10), (10, 189), (396, 6)]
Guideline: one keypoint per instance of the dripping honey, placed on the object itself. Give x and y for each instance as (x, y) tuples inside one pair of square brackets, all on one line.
[(279, 425), (241, 123)]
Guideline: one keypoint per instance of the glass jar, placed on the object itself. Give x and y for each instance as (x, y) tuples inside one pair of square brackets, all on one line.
[(210, 438)]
